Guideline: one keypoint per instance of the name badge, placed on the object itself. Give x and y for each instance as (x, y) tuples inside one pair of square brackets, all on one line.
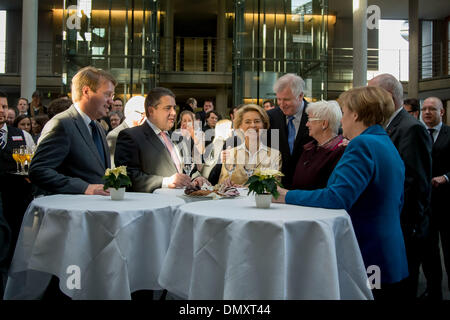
[(16, 138)]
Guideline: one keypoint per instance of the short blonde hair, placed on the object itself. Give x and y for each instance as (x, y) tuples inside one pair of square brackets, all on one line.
[(91, 77), (373, 105), (251, 107), (326, 110)]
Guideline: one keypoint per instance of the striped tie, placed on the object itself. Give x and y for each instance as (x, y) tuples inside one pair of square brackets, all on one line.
[(2, 139), (169, 147)]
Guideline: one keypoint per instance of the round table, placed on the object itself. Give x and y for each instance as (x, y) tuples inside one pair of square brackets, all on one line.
[(229, 249), (97, 247)]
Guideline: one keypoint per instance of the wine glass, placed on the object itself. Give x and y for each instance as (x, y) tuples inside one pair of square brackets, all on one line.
[(229, 163), (16, 155), (249, 168), (188, 166), (23, 153)]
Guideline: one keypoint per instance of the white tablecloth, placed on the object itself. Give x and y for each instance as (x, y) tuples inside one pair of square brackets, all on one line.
[(229, 249), (119, 246)]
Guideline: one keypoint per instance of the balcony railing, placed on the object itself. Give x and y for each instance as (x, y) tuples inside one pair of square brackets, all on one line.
[(434, 62)]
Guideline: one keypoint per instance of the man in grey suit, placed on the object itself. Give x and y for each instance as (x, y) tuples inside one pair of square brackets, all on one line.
[(414, 146), (134, 116), (72, 154), (151, 158)]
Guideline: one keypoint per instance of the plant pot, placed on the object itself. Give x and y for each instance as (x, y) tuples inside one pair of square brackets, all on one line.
[(117, 194), (263, 201)]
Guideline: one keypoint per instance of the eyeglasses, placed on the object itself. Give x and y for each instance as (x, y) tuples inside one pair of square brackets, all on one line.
[(314, 119)]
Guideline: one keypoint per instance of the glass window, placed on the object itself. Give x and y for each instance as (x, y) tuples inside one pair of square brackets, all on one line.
[(2, 41)]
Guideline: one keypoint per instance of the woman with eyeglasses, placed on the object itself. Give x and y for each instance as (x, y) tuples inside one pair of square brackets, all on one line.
[(321, 155)]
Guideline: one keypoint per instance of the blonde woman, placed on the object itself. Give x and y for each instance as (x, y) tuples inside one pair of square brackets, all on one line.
[(238, 163)]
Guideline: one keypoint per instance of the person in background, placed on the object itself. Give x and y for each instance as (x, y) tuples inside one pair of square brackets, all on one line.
[(37, 124), (115, 118), (412, 106), (22, 106), (58, 105), (134, 116), (321, 155), (432, 113), (268, 105), (117, 105), (23, 122), (208, 105), (368, 183), (12, 114), (36, 107)]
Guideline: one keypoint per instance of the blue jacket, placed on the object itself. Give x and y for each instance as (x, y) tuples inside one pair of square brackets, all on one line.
[(368, 183)]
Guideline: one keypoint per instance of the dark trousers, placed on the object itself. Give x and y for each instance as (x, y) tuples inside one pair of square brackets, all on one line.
[(432, 260), (391, 291), (415, 251), (16, 195)]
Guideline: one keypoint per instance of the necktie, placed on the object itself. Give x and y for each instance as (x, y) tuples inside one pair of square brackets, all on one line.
[(97, 140), (2, 139), (169, 147), (291, 133), (431, 131)]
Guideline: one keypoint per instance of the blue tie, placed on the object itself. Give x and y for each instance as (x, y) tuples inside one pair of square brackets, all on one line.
[(97, 140), (291, 133)]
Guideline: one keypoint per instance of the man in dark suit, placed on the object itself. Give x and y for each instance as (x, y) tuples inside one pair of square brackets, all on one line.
[(151, 158), (289, 119), (208, 105), (72, 154), (432, 112), (414, 146)]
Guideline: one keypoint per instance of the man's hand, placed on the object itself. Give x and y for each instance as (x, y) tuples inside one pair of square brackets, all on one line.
[(199, 181), (179, 180), (228, 183), (281, 197), (437, 181), (96, 189)]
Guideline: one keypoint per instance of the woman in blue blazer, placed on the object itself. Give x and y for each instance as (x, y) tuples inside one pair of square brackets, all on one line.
[(368, 183)]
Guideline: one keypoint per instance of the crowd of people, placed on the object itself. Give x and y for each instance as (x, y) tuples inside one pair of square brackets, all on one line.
[(367, 153)]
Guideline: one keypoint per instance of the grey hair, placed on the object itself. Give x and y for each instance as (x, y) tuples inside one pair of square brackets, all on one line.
[(392, 85), (291, 80), (327, 110)]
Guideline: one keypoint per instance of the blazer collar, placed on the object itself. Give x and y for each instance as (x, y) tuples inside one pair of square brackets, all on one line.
[(84, 132)]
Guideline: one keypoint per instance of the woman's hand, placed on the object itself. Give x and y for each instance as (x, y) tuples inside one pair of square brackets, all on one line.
[(229, 183), (281, 197)]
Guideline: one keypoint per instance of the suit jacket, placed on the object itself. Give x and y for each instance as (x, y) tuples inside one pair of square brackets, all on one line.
[(414, 145), (147, 159), (66, 159), (441, 166), (289, 162), (368, 183), (111, 139)]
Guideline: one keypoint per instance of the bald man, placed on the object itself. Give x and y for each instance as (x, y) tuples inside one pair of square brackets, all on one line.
[(414, 146), (432, 113)]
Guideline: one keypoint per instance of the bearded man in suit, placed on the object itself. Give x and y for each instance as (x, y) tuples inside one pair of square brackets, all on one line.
[(152, 159), (72, 153), (289, 119)]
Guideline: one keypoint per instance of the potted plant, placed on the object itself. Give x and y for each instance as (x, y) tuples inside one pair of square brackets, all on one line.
[(263, 183), (116, 180)]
